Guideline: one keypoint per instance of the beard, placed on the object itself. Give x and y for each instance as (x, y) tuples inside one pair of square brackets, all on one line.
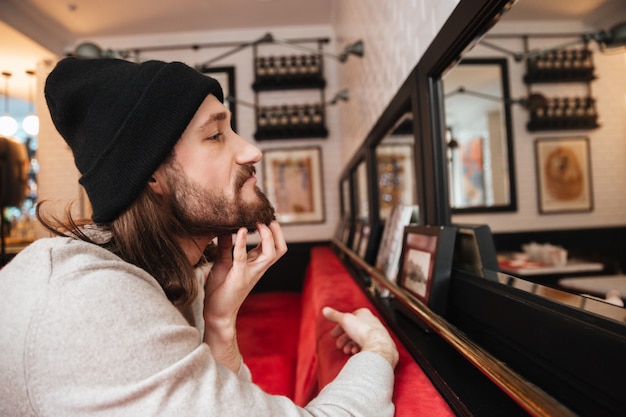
[(207, 213)]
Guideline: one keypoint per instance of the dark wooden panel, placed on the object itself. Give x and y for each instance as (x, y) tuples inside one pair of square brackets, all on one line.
[(577, 357)]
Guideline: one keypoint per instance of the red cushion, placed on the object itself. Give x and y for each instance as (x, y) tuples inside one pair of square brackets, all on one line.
[(267, 333), (273, 373), (289, 350), (332, 285)]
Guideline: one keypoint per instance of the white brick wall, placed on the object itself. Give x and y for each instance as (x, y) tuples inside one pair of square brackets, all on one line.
[(396, 34)]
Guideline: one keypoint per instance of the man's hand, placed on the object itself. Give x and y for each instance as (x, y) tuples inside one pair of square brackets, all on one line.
[(231, 279), (361, 331)]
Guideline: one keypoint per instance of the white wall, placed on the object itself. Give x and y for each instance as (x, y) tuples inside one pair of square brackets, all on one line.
[(395, 34), (607, 143)]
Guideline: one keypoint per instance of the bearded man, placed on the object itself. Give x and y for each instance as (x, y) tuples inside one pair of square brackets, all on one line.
[(112, 317)]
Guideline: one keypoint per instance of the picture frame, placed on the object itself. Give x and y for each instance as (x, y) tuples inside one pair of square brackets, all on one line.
[(395, 176), (293, 184), (226, 77), (563, 169), (390, 248), (426, 264)]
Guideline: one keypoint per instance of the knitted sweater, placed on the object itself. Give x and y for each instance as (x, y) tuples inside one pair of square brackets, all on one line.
[(83, 333)]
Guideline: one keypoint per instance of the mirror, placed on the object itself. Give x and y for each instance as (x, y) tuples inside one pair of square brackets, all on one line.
[(394, 167), (521, 30), (478, 138)]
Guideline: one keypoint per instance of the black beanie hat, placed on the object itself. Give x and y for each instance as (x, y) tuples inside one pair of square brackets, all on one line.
[(121, 120)]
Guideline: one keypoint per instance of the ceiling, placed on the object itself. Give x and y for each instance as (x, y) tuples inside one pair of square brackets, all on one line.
[(32, 30)]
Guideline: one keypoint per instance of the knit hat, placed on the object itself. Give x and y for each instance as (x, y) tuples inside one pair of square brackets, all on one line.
[(121, 120)]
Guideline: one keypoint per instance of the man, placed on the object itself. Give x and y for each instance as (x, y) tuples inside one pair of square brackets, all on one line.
[(111, 318)]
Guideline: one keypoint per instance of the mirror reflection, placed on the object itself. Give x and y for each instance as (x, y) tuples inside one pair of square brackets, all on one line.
[(394, 159), (582, 301), (478, 139)]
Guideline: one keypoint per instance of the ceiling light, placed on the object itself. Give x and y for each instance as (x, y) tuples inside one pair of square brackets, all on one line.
[(8, 125), (30, 124)]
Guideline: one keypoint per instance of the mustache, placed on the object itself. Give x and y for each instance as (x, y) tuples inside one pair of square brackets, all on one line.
[(244, 174)]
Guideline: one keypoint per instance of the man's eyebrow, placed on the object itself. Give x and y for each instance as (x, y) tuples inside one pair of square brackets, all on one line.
[(214, 118)]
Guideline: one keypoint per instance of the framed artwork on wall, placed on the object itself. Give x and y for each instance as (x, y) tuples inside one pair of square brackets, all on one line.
[(226, 77), (395, 176), (563, 175), (426, 264), (293, 184)]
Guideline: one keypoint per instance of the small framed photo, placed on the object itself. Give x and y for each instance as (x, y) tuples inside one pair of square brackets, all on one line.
[(388, 256), (563, 175), (426, 264), (293, 184), (226, 77)]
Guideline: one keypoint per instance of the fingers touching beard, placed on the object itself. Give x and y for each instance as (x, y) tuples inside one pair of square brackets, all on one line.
[(204, 212)]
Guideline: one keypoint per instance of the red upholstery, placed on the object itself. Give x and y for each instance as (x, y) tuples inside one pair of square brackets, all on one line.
[(269, 339), (267, 332)]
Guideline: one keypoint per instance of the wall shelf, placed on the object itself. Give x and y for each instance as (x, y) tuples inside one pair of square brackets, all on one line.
[(562, 113), (564, 66), (289, 72), (565, 113)]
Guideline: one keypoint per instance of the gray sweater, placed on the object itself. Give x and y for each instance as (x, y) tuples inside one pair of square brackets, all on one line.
[(83, 333)]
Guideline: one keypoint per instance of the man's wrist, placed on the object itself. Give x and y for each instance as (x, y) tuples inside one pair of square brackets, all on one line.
[(385, 347)]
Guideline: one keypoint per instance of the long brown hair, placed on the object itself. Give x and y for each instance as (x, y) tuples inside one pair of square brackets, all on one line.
[(141, 235)]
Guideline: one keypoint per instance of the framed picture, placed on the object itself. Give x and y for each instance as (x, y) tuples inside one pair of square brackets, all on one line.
[(226, 77), (395, 176), (390, 248), (563, 175), (426, 264), (391, 242), (472, 184), (293, 184)]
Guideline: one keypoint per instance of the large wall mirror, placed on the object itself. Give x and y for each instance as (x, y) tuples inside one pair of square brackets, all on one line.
[(478, 137), (572, 377)]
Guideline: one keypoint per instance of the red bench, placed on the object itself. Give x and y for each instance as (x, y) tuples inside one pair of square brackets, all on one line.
[(285, 340)]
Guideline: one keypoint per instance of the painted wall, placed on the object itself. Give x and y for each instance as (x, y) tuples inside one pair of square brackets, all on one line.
[(607, 143), (395, 35)]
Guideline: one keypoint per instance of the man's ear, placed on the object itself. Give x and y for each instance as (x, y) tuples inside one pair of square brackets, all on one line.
[(157, 183)]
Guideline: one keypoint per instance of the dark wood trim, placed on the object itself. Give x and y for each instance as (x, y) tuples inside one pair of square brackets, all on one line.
[(575, 356)]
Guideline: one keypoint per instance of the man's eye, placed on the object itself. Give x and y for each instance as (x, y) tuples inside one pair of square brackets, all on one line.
[(216, 136)]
